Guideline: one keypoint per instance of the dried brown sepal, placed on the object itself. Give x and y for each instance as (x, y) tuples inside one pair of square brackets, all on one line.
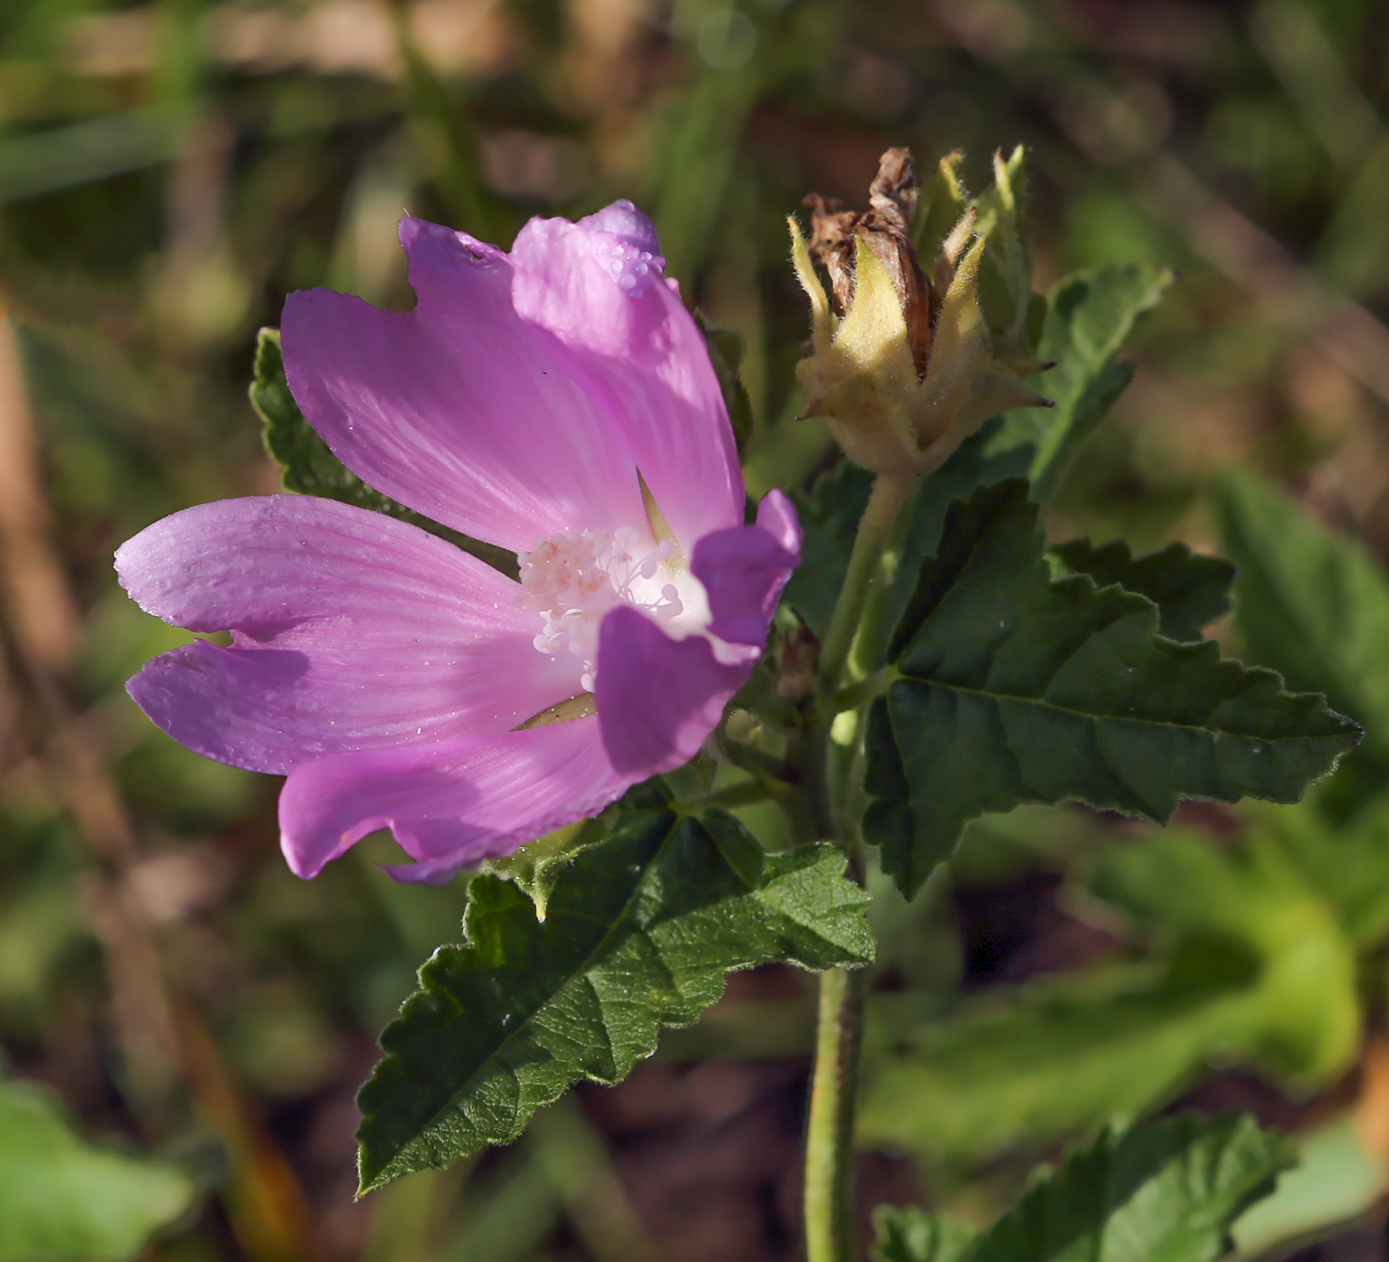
[(885, 227), (902, 370)]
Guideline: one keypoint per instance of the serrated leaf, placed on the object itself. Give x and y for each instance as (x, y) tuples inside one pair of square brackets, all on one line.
[(1166, 1190), (726, 355), (1190, 591), (1309, 603), (1089, 317), (639, 933), (1009, 687), (309, 467), (63, 1200)]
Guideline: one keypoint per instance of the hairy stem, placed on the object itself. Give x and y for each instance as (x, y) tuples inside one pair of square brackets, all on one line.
[(829, 1150), (829, 1167), (874, 532)]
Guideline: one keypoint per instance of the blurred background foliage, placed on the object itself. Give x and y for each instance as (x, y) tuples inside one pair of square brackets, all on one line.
[(192, 1021)]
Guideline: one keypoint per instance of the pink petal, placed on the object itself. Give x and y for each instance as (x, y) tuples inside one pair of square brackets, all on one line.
[(640, 357), (450, 804), (744, 569), (351, 630), (657, 698), (459, 409)]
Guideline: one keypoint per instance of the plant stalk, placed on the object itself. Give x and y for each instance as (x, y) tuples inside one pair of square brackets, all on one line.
[(829, 1153), (874, 534), (829, 1150)]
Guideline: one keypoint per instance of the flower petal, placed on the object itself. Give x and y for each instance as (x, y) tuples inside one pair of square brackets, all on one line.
[(640, 356), (657, 698), (744, 569), (351, 630), (459, 409), (450, 804)]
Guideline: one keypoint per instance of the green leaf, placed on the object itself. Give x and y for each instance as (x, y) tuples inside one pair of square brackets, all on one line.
[(726, 355), (1249, 909), (907, 1234), (1049, 1059), (536, 866), (310, 468), (1348, 865), (1251, 965), (1309, 603), (1089, 317), (1163, 1191), (63, 1200), (1009, 687), (1190, 591), (638, 934)]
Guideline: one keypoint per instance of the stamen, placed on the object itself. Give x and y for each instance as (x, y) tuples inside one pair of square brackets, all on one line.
[(572, 580)]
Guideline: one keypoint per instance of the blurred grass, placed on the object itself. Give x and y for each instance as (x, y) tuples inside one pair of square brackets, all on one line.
[(169, 171)]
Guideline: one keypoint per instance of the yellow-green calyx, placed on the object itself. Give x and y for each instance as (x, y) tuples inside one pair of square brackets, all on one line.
[(892, 412)]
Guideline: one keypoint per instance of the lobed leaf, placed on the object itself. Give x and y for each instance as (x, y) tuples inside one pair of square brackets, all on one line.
[(1089, 317), (1009, 687), (63, 1200), (638, 934), (1311, 604), (1163, 1191), (309, 467), (1190, 591)]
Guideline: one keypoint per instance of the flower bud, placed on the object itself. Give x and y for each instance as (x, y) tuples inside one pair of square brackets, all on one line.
[(904, 367)]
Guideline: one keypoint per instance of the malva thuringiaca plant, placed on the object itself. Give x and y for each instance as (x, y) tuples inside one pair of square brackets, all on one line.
[(519, 615)]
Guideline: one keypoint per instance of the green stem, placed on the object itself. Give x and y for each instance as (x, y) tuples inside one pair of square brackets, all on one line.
[(874, 532), (829, 1148)]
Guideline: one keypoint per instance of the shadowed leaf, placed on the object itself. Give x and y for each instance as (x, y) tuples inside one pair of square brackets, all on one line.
[(1190, 591), (310, 468)]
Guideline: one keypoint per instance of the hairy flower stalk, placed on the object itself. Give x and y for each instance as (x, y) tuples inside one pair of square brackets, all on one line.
[(557, 401)]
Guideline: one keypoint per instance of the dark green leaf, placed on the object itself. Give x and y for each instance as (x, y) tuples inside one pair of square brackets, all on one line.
[(1089, 317), (310, 468), (970, 466), (726, 355), (1309, 603), (1010, 687), (638, 934), (1163, 1191), (62, 1200), (1190, 591), (829, 516)]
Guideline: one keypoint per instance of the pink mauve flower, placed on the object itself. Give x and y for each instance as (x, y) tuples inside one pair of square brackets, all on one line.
[(558, 402)]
